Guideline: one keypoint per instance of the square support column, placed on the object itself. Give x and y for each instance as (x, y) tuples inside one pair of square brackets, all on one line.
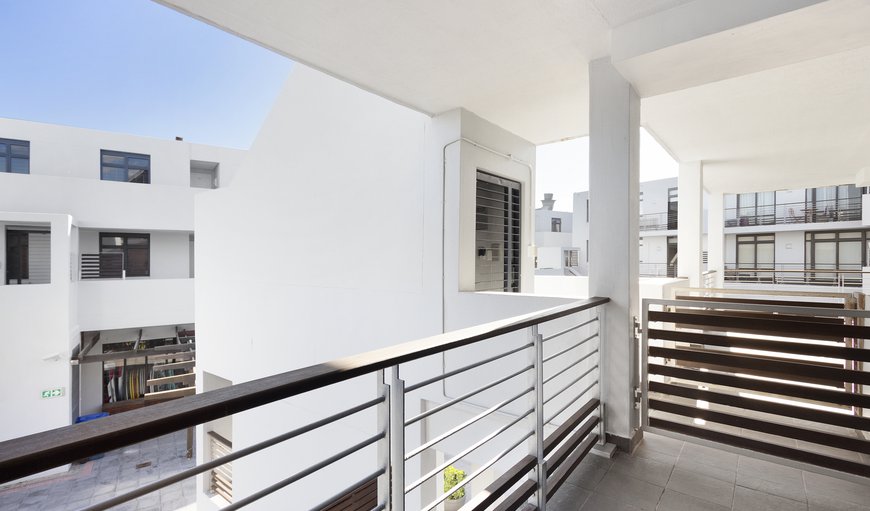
[(614, 144), (716, 237), (689, 222)]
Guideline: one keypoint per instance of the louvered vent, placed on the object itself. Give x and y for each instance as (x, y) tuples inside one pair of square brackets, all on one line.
[(497, 234)]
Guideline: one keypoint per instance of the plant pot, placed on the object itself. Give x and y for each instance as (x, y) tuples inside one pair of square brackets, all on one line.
[(454, 505)]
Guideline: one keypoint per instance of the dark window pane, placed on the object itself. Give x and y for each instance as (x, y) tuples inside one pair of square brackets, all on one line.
[(2, 164), (114, 174), (137, 240), (112, 159), (20, 166), (137, 262), (2, 148), (20, 150), (137, 176), (108, 241), (141, 163)]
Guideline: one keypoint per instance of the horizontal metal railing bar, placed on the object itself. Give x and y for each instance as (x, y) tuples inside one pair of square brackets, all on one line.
[(489, 411), (569, 348), (575, 380), (794, 309), (34, 453), (784, 327), (467, 395), (771, 428), (785, 410), (795, 270), (411, 388), (477, 472), (344, 493), (304, 473), (779, 303), (518, 498), (782, 451), (571, 402), (794, 348), (781, 388), (787, 369), (556, 437), (567, 368), (570, 329), (501, 485), (223, 460), (559, 476), (471, 448), (561, 454)]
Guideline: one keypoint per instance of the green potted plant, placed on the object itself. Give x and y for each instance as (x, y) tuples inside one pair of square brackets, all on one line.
[(452, 477)]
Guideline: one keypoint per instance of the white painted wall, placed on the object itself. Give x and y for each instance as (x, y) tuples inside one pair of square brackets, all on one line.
[(38, 332), (113, 303), (655, 195), (789, 248)]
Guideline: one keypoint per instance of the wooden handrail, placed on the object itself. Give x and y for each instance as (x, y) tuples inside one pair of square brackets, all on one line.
[(31, 454)]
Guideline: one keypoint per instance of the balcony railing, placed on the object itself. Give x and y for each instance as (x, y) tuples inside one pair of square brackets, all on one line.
[(658, 270), (105, 265), (833, 210), (797, 274), (658, 221), (522, 374)]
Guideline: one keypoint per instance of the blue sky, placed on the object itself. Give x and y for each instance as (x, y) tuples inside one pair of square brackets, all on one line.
[(134, 66)]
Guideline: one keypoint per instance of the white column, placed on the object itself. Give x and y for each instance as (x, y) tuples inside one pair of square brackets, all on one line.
[(689, 218), (716, 237), (614, 134)]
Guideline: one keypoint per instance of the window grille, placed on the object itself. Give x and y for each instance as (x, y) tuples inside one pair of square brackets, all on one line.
[(497, 234)]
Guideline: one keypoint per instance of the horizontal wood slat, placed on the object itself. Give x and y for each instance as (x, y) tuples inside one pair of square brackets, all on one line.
[(787, 369), (518, 497), (167, 394), (785, 327), (556, 437), (560, 475), (500, 486), (795, 412), (784, 389), (787, 303), (794, 348), (743, 314), (771, 428), (178, 378), (763, 447), (562, 453)]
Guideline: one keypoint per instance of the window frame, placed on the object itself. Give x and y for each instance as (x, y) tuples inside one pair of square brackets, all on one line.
[(555, 224), (7, 155), (125, 248), (510, 250), (126, 167)]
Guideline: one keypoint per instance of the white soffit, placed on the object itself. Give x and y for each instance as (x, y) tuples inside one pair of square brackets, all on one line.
[(799, 125), (519, 64)]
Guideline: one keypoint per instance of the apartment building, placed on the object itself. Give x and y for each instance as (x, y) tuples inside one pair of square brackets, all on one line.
[(97, 257), (555, 251)]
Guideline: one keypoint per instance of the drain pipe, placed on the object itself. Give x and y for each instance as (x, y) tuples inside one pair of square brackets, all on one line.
[(490, 150)]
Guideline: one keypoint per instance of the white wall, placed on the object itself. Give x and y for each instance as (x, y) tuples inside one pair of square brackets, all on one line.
[(789, 248), (169, 252), (38, 333), (655, 195), (133, 303)]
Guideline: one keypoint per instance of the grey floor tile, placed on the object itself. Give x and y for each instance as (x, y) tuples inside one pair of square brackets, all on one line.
[(746, 499), (590, 472), (701, 486), (675, 501), (654, 472), (819, 486), (630, 491), (709, 456), (690, 465), (817, 503), (568, 498), (600, 502), (661, 444)]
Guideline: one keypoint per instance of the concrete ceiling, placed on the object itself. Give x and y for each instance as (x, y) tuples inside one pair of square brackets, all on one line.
[(776, 93), (522, 65)]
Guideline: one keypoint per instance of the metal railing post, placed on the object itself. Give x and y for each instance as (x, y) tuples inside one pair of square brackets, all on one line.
[(383, 412), (541, 467), (397, 441), (602, 382)]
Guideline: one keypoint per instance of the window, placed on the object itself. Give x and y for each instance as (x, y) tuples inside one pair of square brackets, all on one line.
[(203, 174), (833, 203), (14, 156), (755, 251), (134, 248), (673, 208), (497, 234), (556, 225), (835, 251), (572, 258), (125, 167), (758, 208)]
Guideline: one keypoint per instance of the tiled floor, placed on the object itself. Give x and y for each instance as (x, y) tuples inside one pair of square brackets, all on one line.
[(670, 475), (113, 474)]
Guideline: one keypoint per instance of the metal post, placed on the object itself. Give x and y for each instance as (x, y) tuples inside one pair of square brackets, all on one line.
[(541, 470), (383, 411), (644, 362), (602, 381), (397, 441)]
